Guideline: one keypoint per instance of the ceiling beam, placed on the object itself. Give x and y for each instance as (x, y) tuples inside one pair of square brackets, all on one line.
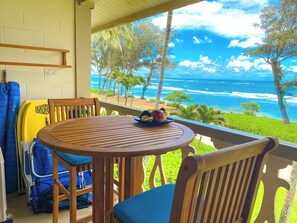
[(164, 7)]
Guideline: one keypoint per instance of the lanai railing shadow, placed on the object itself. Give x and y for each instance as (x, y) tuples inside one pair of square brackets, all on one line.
[(222, 137)]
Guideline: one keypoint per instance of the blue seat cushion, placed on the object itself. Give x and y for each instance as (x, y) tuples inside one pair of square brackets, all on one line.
[(153, 206), (74, 160)]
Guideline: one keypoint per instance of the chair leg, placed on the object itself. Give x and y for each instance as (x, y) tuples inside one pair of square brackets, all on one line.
[(113, 219), (72, 190), (55, 189)]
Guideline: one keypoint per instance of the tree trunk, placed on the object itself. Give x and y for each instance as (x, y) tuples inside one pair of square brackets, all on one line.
[(164, 56), (143, 91), (107, 74), (106, 90), (114, 87), (99, 80), (289, 198), (277, 76), (148, 81), (126, 96), (118, 93), (131, 102)]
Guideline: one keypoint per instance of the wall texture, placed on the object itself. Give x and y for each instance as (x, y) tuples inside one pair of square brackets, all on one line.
[(42, 23)]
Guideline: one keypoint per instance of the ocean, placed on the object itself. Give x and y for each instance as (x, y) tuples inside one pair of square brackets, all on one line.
[(226, 95)]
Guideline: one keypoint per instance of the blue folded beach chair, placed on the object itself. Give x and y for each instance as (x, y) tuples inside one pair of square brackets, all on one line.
[(36, 161)]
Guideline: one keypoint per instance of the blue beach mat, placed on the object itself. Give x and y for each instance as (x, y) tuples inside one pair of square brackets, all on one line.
[(11, 170)]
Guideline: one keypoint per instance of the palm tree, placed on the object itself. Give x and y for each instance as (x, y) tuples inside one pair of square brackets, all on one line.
[(113, 39), (188, 112), (164, 58), (98, 55), (126, 81), (201, 113), (137, 80), (210, 115)]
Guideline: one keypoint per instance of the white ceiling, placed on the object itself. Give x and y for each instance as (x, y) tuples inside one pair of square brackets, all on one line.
[(110, 13)]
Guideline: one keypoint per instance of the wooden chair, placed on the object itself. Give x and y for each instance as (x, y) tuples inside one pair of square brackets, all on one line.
[(63, 109), (218, 187)]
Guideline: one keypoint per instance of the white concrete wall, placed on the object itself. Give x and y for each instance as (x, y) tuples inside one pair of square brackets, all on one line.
[(42, 23)]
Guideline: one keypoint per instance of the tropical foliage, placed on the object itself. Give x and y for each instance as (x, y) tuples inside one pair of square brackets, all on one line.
[(201, 113), (250, 108), (118, 53), (178, 97), (279, 43)]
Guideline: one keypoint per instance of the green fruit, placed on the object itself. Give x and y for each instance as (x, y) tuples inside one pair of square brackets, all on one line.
[(147, 118)]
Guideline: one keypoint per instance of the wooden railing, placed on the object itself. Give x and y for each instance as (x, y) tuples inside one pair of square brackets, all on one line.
[(222, 137)]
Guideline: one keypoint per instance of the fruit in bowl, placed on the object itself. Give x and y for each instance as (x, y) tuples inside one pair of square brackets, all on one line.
[(157, 115), (145, 113), (147, 118)]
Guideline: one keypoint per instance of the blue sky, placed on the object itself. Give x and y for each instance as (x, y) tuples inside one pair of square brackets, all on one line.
[(211, 38)]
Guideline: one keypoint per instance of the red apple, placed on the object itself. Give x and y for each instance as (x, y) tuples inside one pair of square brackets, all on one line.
[(158, 115)]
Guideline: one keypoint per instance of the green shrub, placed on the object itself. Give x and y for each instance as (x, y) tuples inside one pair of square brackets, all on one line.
[(262, 126), (172, 104), (109, 94), (250, 108), (94, 91)]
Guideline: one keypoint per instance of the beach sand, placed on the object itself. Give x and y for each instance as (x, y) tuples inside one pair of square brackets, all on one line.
[(137, 102)]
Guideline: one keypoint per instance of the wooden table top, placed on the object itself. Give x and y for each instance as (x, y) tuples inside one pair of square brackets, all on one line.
[(114, 136)]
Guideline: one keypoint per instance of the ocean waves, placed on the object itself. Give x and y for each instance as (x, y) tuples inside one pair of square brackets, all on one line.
[(246, 95)]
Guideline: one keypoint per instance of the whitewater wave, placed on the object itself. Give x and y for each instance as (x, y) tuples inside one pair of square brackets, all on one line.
[(258, 96), (167, 88)]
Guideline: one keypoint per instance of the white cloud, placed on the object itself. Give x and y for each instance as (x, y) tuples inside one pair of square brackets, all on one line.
[(250, 42), (240, 63), (204, 63), (179, 40), (214, 17), (210, 70), (247, 3), (190, 64), (293, 68), (246, 63), (205, 60), (171, 44), (203, 40), (207, 39), (196, 40), (260, 64)]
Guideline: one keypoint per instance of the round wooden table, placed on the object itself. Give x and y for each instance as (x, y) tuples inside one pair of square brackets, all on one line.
[(107, 137)]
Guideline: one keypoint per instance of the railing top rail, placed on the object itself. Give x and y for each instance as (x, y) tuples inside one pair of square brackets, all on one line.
[(287, 150)]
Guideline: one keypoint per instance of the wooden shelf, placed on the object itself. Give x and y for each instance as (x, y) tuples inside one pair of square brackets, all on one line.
[(62, 51)]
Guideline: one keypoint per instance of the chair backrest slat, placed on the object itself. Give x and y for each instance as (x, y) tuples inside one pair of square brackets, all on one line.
[(220, 187), (64, 109)]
